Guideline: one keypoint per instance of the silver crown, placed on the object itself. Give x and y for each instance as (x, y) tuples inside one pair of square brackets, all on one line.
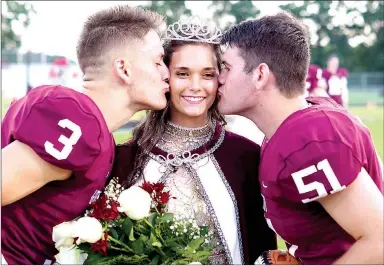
[(193, 30)]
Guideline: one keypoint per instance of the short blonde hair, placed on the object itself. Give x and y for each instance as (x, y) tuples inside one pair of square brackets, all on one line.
[(110, 27)]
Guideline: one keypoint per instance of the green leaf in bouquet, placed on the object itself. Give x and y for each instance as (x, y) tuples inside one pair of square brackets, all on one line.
[(122, 237), (193, 246), (127, 226), (199, 256), (152, 218), (155, 260), (157, 244), (131, 236), (120, 259), (85, 247), (152, 238), (112, 232), (167, 217), (172, 244), (138, 246), (204, 230), (94, 259), (182, 261), (143, 238)]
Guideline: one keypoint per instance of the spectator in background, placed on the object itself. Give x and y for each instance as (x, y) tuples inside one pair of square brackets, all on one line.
[(336, 80), (315, 84)]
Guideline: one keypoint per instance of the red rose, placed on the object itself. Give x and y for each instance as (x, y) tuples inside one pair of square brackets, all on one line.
[(101, 211), (101, 245), (163, 198), (159, 197), (158, 187), (147, 187)]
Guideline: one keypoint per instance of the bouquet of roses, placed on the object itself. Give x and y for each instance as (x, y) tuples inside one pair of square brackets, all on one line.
[(131, 227)]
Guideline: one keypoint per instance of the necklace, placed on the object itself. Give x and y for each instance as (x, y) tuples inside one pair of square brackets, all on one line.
[(178, 139)]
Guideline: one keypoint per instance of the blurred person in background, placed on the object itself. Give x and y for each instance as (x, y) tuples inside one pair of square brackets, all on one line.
[(57, 143), (336, 81), (315, 85)]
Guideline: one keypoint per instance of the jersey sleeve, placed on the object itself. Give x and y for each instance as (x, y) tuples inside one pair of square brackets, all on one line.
[(318, 170), (60, 132)]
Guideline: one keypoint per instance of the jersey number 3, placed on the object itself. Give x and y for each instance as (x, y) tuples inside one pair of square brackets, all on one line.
[(67, 142), (319, 187)]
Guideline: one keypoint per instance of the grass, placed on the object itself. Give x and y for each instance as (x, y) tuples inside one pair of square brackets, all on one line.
[(373, 118), (362, 97), (4, 105), (122, 136)]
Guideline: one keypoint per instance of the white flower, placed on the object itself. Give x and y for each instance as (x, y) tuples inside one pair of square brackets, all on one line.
[(63, 234), (195, 262), (88, 229), (135, 202), (70, 255)]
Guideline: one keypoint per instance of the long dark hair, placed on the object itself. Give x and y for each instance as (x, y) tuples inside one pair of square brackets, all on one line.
[(150, 130)]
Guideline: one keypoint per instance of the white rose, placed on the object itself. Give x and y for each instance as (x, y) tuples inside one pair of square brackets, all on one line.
[(62, 234), (70, 255), (135, 202), (88, 229)]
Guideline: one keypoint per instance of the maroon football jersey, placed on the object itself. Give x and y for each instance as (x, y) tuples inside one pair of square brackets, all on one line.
[(316, 151), (336, 84), (313, 77), (66, 129)]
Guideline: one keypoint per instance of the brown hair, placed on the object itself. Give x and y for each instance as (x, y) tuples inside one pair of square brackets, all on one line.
[(149, 131), (281, 42), (110, 27)]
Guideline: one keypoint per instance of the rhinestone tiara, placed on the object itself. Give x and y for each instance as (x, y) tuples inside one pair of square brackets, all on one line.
[(193, 29)]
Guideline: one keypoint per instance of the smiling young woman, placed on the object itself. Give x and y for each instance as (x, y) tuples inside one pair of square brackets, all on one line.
[(211, 173)]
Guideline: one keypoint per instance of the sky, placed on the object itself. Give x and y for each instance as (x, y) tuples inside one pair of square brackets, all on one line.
[(55, 27)]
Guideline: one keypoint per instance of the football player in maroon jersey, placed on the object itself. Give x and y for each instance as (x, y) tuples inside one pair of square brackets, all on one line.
[(319, 173), (335, 79), (57, 143), (315, 85)]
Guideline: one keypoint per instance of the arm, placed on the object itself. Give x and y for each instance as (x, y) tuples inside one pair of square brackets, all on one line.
[(23, 172), (359, 211)]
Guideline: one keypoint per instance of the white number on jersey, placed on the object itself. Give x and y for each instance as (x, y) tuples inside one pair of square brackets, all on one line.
[(68, 142), (319, 187)]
